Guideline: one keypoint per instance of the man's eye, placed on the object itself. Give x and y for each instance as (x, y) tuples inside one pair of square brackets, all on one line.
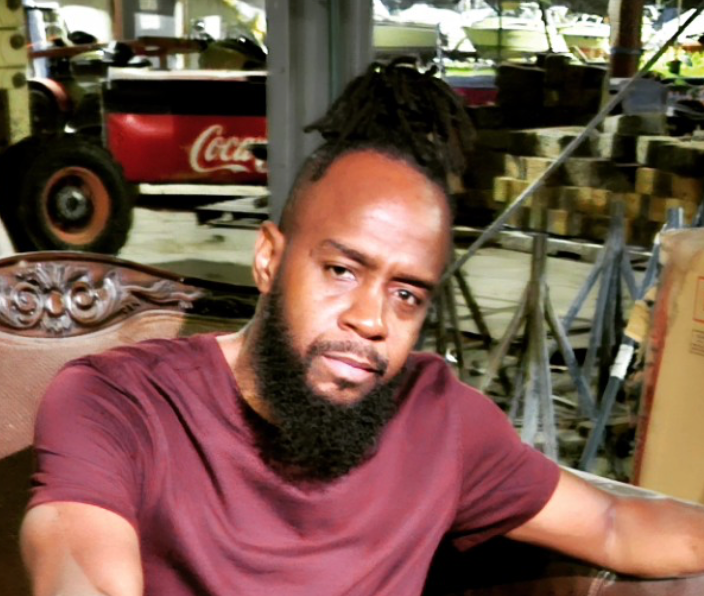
[(340, 272), (409, 298)]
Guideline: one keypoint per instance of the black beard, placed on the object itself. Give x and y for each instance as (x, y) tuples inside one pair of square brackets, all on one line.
[(313, 438)]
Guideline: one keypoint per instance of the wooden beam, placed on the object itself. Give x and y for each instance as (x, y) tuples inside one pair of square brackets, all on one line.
[(626, 18), (118, 16)]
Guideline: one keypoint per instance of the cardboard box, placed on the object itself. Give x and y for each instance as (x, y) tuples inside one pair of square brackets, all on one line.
[(670, 440)]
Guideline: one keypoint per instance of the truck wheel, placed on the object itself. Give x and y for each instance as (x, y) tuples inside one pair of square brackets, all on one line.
[(73, 196)]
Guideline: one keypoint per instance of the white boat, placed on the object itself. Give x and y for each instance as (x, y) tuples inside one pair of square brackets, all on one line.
[(691, 34), (515, 33), (391, 37), (587, 36)]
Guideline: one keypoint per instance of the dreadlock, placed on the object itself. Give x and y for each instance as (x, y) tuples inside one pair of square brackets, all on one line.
[(396, 104)]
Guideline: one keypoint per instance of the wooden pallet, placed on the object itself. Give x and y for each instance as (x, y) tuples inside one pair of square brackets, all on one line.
[(244, 212)]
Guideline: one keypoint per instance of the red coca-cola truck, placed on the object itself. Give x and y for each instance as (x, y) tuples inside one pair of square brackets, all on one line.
[(154, 132)]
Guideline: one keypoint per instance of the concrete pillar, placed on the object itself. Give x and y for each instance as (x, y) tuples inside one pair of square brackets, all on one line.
[(14, 97), (315, 48), (626, 18)]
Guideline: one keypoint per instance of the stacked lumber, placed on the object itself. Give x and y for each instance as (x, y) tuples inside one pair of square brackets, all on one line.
[(550, 93), (656, 191), (631, 160)]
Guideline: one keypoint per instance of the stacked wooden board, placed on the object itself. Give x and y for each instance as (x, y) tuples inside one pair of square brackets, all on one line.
[(632, 159), (552, 92)]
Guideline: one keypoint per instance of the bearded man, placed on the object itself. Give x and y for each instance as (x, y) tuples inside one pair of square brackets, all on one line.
[(313, 452)]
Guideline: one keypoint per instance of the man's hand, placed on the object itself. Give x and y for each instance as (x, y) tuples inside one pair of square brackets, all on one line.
[(655, 537), (81, 550)]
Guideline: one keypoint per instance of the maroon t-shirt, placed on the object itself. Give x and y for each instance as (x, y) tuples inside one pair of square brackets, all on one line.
[(155, 433)]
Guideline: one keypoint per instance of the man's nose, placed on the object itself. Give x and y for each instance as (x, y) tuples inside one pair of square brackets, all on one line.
[(366, 313)]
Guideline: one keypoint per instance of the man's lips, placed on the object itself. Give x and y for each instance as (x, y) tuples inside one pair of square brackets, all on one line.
[(349, 367)]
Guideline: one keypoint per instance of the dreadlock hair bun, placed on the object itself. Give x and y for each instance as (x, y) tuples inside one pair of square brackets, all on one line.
[(396, 104)]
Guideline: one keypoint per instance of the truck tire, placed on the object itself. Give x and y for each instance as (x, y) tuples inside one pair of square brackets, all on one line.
[(71, 195)]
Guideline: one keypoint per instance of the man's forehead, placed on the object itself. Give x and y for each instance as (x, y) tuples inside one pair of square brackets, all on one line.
[(371, 180), (366, 193), (373, 162)]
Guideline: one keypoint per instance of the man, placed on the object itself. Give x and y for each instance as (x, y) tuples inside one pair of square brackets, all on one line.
[(312, 453)]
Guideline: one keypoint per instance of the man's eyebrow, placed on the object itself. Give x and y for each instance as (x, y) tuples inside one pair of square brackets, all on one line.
[(417, 282), (367, 261), (349, 252)]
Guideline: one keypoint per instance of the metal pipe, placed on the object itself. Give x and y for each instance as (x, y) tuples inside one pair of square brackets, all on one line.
[(619, 369)]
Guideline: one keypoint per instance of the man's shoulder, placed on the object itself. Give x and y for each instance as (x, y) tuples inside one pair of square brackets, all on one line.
[(435, 402), (146, 356), (431, 371), (144, 371), (430, 374)]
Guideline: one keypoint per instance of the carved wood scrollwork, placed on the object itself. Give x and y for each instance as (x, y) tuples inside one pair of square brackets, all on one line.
[(65, 299)]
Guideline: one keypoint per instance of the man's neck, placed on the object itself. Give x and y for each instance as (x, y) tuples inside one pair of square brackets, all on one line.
[(237, 349)]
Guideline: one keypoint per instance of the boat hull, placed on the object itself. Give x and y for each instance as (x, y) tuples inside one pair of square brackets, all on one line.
[(392, 36), (494, 43)]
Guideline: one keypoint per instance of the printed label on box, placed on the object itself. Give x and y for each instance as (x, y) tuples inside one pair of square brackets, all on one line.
[(696, 344), (699, 301)]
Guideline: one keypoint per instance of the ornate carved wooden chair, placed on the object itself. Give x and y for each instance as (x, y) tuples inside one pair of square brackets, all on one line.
[(58, 306)]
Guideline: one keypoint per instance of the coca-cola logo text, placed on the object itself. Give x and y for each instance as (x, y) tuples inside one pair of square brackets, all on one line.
[(212, 150)]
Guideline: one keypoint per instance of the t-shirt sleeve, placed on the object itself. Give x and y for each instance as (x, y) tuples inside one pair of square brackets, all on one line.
[(504, 481), (90, 441)]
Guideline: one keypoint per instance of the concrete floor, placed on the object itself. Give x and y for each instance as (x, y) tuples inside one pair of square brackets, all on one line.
[(174, 241)]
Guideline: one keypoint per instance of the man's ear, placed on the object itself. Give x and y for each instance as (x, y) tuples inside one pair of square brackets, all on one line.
[(268, 252)]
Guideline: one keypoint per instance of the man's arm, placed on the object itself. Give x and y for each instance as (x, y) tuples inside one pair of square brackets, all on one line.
[(74, 549), (645, 537)]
